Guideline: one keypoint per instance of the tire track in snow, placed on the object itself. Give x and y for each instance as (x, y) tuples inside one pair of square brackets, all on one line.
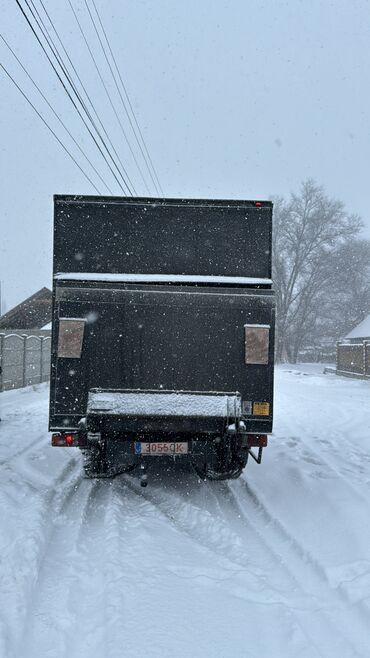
[(90, 555), (236, 538), (310, 611), (47, 602), (78, 608), (307, 572), (108, 576), (196, 523), (228, 565), (226, 535), (314, 618), (87, 598), (99, 591), (34, 490)]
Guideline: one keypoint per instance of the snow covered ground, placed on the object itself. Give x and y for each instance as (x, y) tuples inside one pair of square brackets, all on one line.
[(275, 564)]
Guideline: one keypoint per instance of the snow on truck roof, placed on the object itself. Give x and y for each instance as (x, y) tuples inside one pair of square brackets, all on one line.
[(158, 201), (163, 404), (159, 278)]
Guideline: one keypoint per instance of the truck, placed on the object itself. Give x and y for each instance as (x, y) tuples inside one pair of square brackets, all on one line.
[(162, 333)]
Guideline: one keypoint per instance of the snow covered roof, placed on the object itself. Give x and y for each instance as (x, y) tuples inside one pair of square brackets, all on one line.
[(362, 330), (163, 404), (159, 278)]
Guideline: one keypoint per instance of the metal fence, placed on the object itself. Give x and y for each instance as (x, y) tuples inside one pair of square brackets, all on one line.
[(353, 359), (24, 359)]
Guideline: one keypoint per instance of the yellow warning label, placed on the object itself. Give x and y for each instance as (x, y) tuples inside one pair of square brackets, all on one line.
[(261, 408)]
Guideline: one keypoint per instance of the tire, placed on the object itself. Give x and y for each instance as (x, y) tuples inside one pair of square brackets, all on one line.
[(228, 464), (232, 473), (96, 466), (92, 462), (207, 472)]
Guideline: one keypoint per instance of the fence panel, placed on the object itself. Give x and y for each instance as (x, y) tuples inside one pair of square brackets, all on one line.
[(352, 358), (45, 359), (32, 360), (24, 360), (12, 361), (367, 358)]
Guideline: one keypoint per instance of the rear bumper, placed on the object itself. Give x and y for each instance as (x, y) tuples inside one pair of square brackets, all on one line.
[(127, 444)]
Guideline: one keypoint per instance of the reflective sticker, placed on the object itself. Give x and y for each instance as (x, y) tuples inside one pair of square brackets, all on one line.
[(247, 407), (257, 337), (71, 333), (261, 408)]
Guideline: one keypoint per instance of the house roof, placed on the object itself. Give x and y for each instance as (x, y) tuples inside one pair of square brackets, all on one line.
[(362, 330), (33, 313)]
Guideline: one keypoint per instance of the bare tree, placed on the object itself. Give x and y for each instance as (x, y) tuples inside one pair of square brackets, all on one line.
[(309, 229), (346, 301)]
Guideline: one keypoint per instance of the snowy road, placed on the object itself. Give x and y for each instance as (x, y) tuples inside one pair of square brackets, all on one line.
[(276, 564)]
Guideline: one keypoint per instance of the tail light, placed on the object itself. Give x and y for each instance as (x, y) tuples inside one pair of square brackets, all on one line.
[(69, 439), (65, 440), (257, 440)]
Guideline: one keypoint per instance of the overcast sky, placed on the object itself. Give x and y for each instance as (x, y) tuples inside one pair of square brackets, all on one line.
[(235, 99)]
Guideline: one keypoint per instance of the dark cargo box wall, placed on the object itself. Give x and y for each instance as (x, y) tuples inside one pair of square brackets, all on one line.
[(224, 238), (163, 339)]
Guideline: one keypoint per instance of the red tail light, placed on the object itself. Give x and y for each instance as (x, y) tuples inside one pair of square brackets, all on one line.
[(64, 440), (257, 440)]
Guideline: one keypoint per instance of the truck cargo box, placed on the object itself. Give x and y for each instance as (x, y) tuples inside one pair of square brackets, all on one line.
[(162, 305)]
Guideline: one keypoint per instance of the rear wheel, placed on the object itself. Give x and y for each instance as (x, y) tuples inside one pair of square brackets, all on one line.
[(93, 462), (97, 465), (226, 464), (231, 472)]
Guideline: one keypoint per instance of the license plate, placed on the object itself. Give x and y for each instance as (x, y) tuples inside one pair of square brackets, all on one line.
[(161, 448)]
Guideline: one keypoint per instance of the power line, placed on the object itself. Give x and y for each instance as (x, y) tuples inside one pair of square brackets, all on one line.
[(69, 94), (107, 93), (54, 51), (56, 114), (63, 84), (127, 97), (72, 83), (122, 100), (49, 128)]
